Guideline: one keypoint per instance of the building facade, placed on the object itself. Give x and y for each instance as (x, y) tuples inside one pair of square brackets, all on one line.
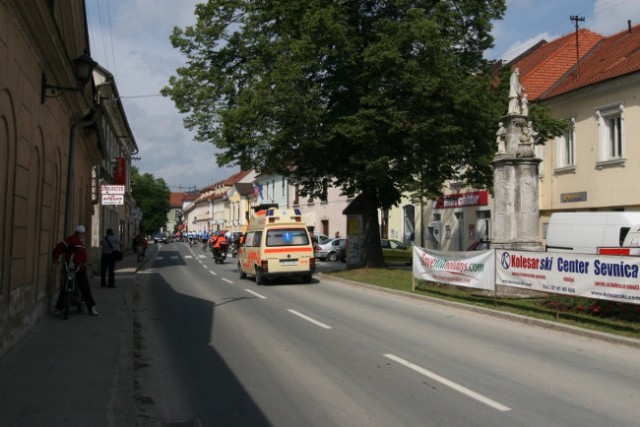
[(595, 164), (48, 149)]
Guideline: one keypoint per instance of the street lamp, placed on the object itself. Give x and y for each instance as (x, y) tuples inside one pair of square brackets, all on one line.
[(83, 66)]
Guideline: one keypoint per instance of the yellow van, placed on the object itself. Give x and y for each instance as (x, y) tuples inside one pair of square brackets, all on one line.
[(276, 244)]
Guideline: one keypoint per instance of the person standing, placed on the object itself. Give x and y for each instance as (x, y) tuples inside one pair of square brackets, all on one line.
[(109, 244), (141, 246), (72, 248)]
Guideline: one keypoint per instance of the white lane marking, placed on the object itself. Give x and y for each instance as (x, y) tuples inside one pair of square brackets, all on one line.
[(174, 257), (256, 294), (309, 319), (159, 258), (188, 257), (213, 272), (202, 256), (226, 280), (448, 383)]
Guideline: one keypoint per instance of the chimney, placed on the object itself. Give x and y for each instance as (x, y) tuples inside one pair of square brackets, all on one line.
[(629, 25)]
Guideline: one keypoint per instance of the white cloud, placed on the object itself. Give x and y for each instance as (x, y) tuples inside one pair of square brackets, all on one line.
[(610, 16), (521, 46), (135, 47)]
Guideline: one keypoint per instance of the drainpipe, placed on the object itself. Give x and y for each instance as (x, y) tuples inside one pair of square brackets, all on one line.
[(87, 121)]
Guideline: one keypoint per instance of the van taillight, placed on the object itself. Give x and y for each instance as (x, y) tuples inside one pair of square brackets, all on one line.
[(264, 265), (312, 263)]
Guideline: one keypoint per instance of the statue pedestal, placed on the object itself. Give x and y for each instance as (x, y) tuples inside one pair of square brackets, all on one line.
[(515, 184)]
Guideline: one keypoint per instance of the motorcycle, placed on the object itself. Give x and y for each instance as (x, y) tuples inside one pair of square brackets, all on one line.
[(219, 255)]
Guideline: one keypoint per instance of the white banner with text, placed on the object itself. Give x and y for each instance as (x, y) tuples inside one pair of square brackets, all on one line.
[(469, 269), (611, 278)]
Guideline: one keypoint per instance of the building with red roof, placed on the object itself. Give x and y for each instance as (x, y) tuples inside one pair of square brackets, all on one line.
[(594, 165), (592, 81), (220, 206)]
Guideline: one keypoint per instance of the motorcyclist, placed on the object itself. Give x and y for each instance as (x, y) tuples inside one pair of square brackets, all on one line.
[(220, 244)]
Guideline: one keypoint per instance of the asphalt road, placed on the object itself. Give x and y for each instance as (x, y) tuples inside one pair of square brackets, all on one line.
[(215, 350)]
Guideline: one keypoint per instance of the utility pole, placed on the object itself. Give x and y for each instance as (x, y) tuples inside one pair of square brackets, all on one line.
[(577, 19)]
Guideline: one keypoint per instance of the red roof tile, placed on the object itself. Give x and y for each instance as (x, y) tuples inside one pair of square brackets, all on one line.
[(614, 56), (541, 68)]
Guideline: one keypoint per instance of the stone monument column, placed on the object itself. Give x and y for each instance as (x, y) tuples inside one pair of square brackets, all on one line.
[(516, 211)]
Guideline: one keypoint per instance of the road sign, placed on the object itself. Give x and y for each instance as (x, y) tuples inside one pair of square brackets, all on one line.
[(113, 199), (112, 189)]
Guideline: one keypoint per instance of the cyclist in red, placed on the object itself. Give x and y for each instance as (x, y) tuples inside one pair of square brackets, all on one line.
[(73, 250)]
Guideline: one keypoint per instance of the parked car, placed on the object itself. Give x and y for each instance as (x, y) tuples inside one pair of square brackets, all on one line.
[(329, 250), (479, 245), (160, 238), (394, 251), (320, 238)]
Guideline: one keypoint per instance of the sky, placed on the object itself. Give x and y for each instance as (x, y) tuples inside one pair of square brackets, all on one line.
[(131, 40)]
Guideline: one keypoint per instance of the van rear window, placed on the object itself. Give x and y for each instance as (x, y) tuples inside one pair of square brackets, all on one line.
[(287, 237)]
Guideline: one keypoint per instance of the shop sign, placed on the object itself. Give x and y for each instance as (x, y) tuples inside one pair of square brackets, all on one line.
[(472, 198), (112, 199), (112, 189)]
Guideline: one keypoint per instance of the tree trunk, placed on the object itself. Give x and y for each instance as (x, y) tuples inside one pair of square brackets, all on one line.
[(372, 249)]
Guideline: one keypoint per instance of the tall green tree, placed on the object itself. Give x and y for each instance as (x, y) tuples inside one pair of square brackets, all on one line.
[(152, 196), (376, 97)]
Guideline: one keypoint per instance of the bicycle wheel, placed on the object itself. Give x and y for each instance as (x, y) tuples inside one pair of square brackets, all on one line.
[(66, 304)]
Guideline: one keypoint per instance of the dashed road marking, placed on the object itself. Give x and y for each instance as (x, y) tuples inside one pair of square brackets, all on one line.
[(256, 294), (459, 388), (309, 319)]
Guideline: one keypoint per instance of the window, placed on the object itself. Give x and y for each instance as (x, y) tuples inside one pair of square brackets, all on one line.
[(409, 212), (287, 237), (611, 132), (565, 146)]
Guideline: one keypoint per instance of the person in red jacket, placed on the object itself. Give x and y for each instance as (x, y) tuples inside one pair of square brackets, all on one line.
[(221, 243), (72, 249)]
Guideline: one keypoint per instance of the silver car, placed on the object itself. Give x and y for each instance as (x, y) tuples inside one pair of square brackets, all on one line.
[(330, 250)]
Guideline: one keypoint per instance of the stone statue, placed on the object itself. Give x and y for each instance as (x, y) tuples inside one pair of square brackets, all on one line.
[(527, 139), (501, 139), (524, 105), (515, 92)]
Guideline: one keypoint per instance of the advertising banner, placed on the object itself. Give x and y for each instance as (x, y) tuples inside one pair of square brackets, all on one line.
[(611, 278), (120, 171), (469, 269)]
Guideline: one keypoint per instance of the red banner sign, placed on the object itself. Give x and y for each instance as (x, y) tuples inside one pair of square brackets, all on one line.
[(473, 198), (120, 171)]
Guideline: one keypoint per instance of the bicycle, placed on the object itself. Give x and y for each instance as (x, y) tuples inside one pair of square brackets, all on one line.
[(71, 295)]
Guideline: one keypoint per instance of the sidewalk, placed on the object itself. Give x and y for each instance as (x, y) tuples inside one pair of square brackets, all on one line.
[(76, 372)]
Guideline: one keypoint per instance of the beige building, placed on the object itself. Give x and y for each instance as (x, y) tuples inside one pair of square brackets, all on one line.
[(218, 206), (322, 215), (595, 165), (58, 143)]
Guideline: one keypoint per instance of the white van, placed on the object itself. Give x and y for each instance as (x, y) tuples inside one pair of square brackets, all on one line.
[(609, 233), (277, 243)]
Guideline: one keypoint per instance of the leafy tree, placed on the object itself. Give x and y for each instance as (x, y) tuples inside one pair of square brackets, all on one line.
[(376, 97), (152, 195)]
